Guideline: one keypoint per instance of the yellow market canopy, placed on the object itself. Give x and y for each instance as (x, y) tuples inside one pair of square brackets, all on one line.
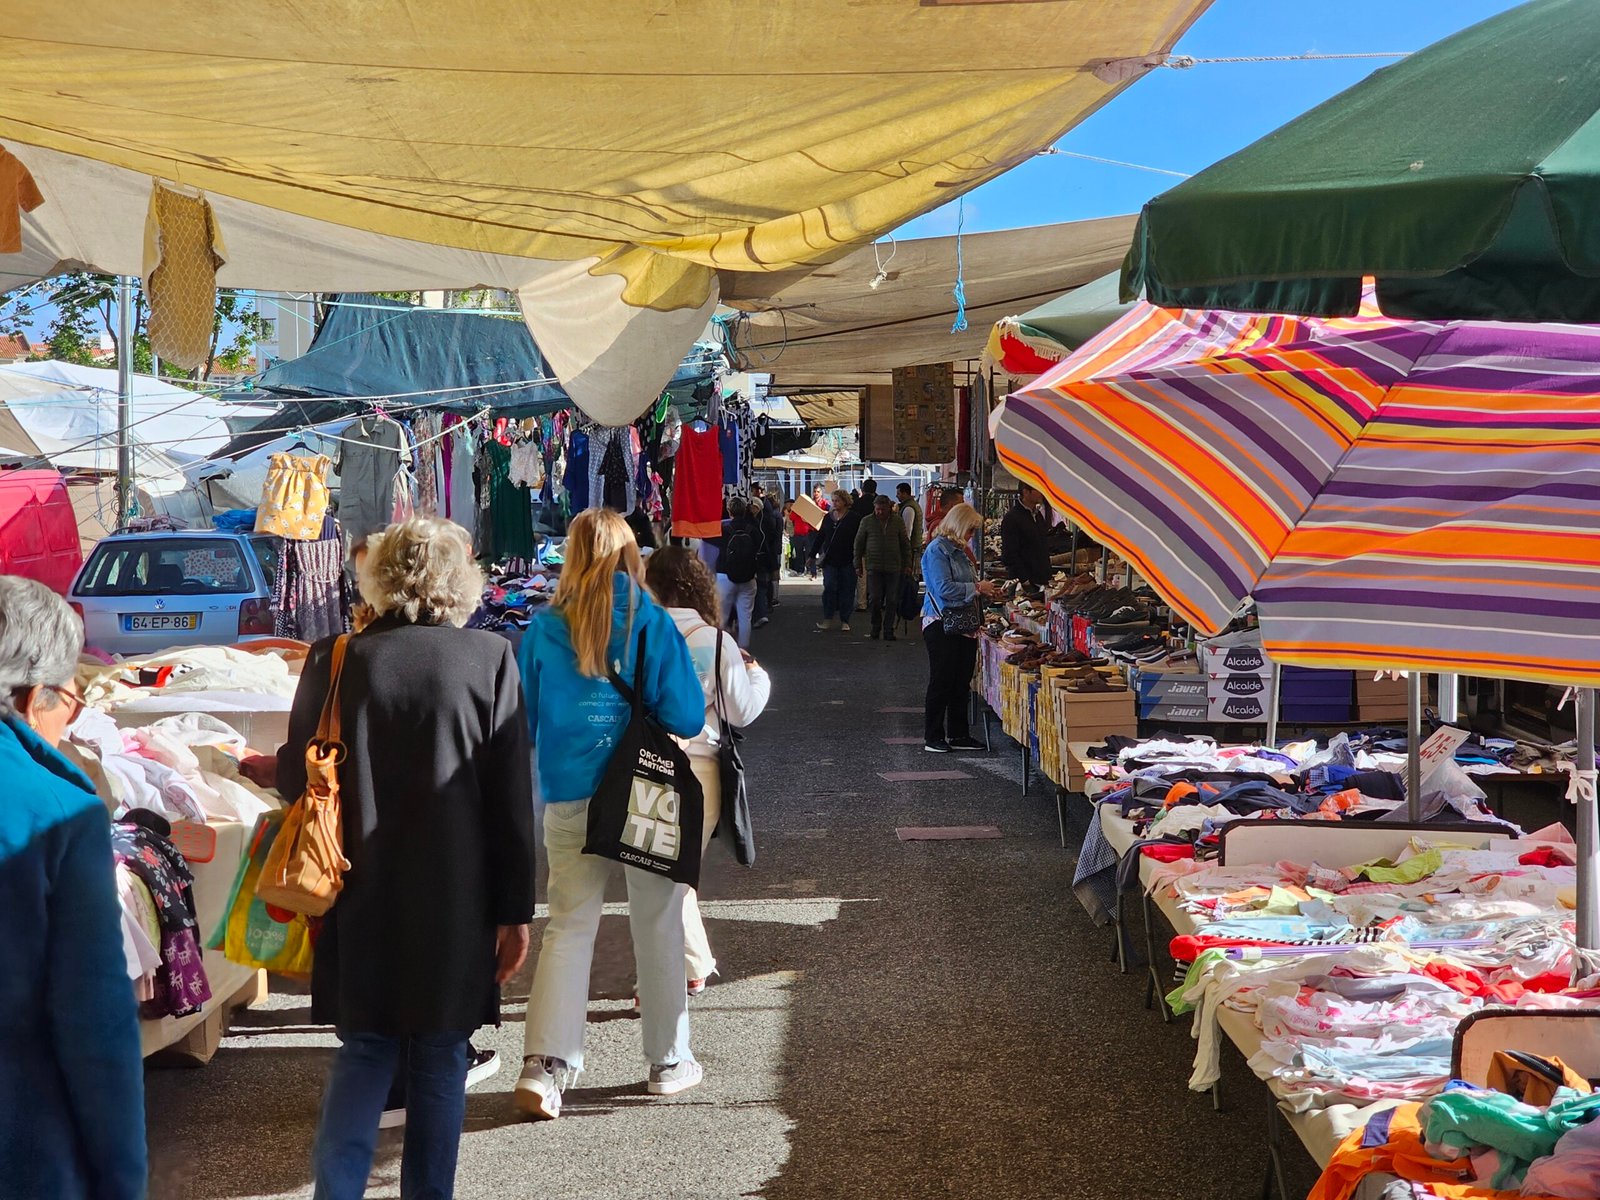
[(831, 325), (613, 162)]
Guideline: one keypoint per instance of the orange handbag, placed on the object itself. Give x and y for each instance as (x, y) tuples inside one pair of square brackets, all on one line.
[(305, 868)]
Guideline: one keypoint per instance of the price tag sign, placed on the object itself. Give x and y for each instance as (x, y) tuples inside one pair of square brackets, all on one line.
[(1441, 748)]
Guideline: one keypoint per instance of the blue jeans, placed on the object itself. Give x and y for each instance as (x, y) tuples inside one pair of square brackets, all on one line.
[(436, 1106), (838, 592), (738, 602)]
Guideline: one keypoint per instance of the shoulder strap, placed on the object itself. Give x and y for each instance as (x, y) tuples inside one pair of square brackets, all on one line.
[(721, 703), (329, 727)]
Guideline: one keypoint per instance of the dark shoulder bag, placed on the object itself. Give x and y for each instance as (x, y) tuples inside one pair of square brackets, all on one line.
[(964, 619), (649, 810), (734, 821)]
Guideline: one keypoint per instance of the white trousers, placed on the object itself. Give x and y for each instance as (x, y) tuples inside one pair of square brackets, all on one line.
[(559, 1003), (701, 963)]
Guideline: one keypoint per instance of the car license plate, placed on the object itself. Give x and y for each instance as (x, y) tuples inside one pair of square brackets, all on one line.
[(160, 622)]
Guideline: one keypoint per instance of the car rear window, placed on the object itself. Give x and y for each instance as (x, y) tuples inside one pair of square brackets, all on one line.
[(165, 567)]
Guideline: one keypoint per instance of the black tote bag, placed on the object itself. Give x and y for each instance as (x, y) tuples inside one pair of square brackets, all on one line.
[(734, 820), (649, 810)]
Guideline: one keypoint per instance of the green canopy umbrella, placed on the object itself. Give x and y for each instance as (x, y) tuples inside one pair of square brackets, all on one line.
[(1464, 179)]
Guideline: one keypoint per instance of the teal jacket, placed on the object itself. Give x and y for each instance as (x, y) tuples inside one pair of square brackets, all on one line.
[(71, 1077), (576, 721)]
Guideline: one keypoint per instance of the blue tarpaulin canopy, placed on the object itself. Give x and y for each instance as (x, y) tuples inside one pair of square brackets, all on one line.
[(370, 346)]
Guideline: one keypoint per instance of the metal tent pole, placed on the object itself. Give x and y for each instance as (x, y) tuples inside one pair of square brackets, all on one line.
[(124, 398), (1414, 746), (1274, 682), (1449, 698), (1588, 836)]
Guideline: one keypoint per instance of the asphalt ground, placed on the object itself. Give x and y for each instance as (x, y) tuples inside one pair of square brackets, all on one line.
[(893, 1019)]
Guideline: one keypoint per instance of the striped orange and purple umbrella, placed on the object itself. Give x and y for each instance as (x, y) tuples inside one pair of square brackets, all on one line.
[(1393, 494)]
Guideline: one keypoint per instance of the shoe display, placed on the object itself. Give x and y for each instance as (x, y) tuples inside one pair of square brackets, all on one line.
[(672, 1078), (968, 744), (537, 1092), (937, 747), (481, 1065)]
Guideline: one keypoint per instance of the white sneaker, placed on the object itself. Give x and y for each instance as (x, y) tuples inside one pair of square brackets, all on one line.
[(392, 1118), (674, 1078), (484, 1064), (844, 628), (537, 1093)]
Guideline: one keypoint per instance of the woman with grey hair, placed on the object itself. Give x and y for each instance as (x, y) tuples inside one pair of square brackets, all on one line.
[(438, 829), (71, 1077)]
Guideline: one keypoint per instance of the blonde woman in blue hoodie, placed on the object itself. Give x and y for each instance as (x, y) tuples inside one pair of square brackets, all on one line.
[(577, 716)]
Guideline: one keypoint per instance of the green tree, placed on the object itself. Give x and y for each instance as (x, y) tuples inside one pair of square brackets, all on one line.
[(84, 303)]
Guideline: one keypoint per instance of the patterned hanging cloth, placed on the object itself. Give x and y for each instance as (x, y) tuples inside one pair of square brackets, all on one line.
[(182, 251)]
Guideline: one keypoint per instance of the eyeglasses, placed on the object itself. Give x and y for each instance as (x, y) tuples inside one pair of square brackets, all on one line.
[(74, 701)]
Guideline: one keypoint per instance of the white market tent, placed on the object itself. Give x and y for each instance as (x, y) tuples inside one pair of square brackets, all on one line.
[(614, 164), (850, 323), (66, 416)]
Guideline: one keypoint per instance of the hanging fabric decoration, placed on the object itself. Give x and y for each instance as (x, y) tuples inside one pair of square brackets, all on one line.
[(18, 195), (182, 251), (295, 497)]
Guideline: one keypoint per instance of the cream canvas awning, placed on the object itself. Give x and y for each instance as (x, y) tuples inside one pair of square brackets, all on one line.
[(616, 164), (832, 326)]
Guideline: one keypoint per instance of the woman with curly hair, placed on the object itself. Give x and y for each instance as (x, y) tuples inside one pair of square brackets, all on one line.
[(681, 582), (438, 829)]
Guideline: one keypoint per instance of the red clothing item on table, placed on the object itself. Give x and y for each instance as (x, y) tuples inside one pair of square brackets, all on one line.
[(1171, 852), (697, 485)]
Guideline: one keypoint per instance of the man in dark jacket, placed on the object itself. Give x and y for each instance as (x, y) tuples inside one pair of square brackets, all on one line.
[(1023, 552), (771, 520), (884, 552)]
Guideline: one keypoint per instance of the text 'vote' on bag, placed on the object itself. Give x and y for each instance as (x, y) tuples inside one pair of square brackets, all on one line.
[(649, 810)]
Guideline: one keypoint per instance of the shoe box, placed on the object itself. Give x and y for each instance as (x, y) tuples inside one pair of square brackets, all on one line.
[(1225, 709), (1175, 696), (1309, 696), (1381, 700)]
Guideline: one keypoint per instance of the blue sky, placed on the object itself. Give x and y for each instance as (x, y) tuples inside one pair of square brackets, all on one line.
[(1187, 120)]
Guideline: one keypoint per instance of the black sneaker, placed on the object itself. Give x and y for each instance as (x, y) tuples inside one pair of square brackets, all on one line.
[(966, 744), (937, 747)]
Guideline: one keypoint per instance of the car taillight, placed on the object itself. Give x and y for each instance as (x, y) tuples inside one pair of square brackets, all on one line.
[(77, 608), (255, 617)]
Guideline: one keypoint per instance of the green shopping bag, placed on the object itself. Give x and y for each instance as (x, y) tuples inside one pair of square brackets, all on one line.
[(254, 934)]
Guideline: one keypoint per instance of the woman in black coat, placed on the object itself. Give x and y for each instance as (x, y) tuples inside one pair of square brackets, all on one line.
[(438, 828)]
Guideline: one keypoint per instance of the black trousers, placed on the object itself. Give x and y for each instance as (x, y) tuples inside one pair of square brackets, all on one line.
[(883, 592), (951, 659)]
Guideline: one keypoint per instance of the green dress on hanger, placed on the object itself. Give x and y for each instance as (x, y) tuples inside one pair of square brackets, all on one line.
[(510, 508)]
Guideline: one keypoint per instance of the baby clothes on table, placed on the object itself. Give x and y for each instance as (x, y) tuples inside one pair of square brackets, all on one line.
[(141, 842)]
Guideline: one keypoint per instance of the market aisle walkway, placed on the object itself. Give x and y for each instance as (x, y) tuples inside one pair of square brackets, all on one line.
[(893, 1020)]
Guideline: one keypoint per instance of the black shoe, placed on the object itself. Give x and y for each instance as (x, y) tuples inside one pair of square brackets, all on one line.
[(966, 744), (889, 637), (937, 747), (874, 635)]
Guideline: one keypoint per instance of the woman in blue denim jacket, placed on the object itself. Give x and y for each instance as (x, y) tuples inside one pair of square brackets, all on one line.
[(951, 579)]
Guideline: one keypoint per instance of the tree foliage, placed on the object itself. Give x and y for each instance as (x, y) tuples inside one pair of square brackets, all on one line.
[(81, 304)]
